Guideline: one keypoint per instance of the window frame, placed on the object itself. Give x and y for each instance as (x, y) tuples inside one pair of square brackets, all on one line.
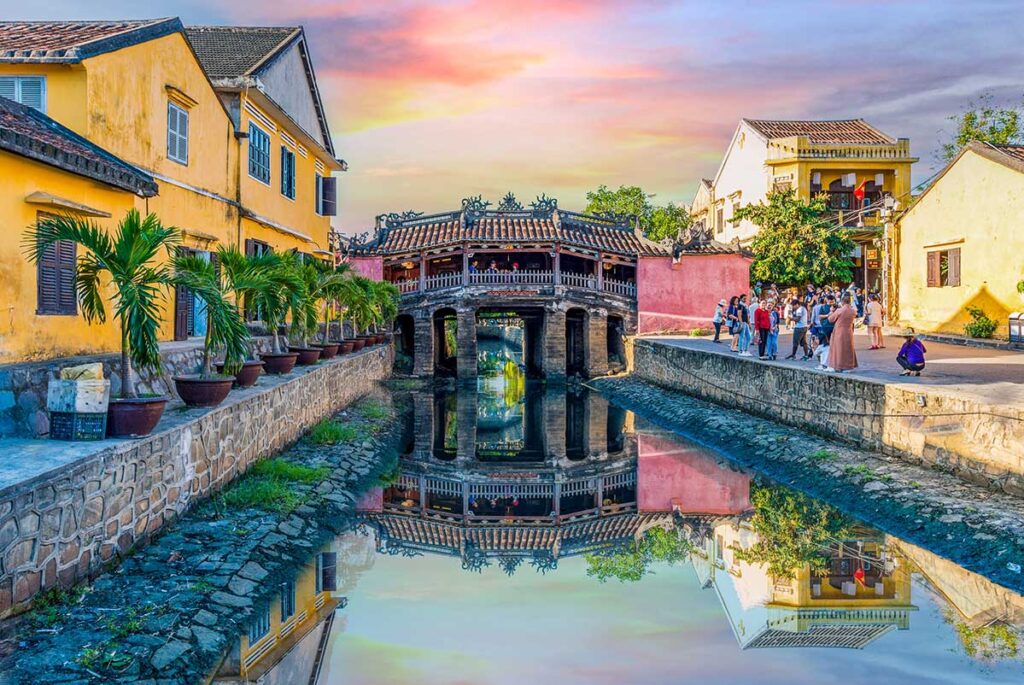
[(287, 173), (260, 621), (253, 129), (60, 250), (318, 193), (180, 112), (19, 78), (934, 278), (288, 604)]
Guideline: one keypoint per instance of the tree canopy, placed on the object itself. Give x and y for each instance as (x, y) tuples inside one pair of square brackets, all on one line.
[(985, 121), (798, 241), (658, 222), (632, 562)]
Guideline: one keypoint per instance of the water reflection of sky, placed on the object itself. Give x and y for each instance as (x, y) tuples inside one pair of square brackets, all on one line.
[(424, 620)]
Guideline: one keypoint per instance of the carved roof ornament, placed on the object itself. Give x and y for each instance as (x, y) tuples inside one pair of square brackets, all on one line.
[(509, 203), (474, 207), (695, 236), (544, 205)]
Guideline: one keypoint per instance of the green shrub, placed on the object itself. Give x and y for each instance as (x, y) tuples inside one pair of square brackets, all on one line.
[(980, 326), (286, 470), (375, 410), (698, 332), (330, 432), (262, 493), (823, 455)]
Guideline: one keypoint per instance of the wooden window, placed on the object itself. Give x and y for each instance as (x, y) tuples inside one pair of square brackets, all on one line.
[(287, 173), (55, 279), (28, 90), (719, 220), (329, 196), (259, 153), (177, 133), (318, 194), (287, 600), (326, 572), (260, 625), (944, 268)]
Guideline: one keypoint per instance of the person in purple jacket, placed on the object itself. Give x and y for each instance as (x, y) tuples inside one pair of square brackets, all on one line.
[(911, 355)]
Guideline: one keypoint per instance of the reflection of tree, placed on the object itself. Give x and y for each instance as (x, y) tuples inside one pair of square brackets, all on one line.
[(793, 530), (632, 561), (988, 642)]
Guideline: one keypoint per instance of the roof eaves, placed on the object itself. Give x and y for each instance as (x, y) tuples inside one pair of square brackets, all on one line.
[(158, 28), (275, 51)]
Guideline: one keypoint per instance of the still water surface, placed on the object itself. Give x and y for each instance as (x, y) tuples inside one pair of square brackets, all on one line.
[(495, 556)]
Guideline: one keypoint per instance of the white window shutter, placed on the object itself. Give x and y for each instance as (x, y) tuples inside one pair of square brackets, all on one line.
[(879, 180), (33, 92), (7, 87)]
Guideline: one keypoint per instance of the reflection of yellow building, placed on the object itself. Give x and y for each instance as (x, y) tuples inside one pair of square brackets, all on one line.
[(285, 625), (960, 244), (188, 115), (839, 608)]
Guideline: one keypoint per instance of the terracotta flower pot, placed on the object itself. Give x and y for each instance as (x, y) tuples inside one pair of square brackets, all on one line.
[(327, 350), (279, 363), (134, 417), (196, 391), (307, 355), (247, 375), (345, 347), (358, 344)]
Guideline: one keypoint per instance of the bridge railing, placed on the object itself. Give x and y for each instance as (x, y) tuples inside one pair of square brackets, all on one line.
[(524, 277), (620, 287), (441, 281)]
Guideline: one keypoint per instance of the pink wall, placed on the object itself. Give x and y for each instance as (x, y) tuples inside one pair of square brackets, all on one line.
[(678, 297), (670, 475), (372, 501), (371, 267)]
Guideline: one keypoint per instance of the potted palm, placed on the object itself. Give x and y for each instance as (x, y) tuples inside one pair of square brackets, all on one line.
[(224, 329), (127, 263), (364, 311), (274, 303), (303, 309), (247, 279), (323, 281), (387, 297), (349, 300)]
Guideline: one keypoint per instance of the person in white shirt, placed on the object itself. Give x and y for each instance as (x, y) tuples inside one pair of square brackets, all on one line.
[(718, 318)]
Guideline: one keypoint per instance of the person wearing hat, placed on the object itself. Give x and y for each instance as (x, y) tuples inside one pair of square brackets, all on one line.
[(911, 355), (718, 318)]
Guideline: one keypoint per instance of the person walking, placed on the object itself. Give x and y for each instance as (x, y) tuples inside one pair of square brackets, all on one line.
[(911, 354), (798, 316), (718, 318), (773, 332), (874, 319), (841, 355), (763, 325), (743, 316), (732, 317)]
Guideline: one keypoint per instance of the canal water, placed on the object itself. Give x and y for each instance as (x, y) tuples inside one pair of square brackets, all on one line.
[(531, 535)]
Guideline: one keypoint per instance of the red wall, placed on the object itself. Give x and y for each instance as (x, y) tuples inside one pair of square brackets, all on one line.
[(678, 297), (371, 267), (671, 475)]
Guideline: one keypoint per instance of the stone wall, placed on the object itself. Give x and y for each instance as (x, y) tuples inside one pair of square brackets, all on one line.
[(63, 526), (23, 386), (979, 442)]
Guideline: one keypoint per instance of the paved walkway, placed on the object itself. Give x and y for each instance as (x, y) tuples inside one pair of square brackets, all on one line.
[(993, 376)]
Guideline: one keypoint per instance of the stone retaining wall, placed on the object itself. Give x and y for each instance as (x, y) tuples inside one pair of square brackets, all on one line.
[(979, 442), (63, 526)]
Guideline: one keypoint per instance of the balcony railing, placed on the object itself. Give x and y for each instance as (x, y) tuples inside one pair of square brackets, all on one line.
[(800, 147), (521, 278)]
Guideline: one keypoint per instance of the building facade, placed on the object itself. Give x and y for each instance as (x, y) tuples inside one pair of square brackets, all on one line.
[(850, 162), (959, 245), (141, 91)]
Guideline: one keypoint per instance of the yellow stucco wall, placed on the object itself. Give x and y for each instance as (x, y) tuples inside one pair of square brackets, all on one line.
[(976, 206), (66, 91), (24, 335)]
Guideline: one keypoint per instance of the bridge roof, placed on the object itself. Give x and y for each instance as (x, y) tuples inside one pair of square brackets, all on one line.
[(510, 222)]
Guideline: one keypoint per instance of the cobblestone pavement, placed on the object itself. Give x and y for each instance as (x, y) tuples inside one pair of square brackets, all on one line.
[(192, 590), (979, 529), (994, 376)]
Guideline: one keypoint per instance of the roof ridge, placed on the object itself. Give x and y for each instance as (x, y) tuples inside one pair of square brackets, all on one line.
[(250, 27)]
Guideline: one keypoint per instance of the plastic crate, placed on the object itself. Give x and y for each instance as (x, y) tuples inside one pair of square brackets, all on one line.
[(66, 425)]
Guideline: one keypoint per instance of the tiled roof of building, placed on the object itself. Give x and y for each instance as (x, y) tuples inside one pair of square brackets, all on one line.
[(822, 636), (851, 131), (27, 132), (1015, 151), (73, 41), (412, 232), (228, 52)]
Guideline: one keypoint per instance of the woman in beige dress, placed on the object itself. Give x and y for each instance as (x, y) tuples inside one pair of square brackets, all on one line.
[(874, 318), (841, 355)]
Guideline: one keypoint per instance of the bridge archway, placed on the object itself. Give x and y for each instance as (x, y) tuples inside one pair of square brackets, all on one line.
[(576, 323), (615, 335), (405, 343), (446, 333)]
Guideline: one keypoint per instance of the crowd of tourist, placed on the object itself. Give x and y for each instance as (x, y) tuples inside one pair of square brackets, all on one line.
[(821, 320)]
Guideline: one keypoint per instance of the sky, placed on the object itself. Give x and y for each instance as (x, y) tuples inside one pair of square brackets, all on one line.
[(433, 101)]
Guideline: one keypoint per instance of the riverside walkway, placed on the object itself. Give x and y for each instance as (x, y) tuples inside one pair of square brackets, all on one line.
[(989, 375)]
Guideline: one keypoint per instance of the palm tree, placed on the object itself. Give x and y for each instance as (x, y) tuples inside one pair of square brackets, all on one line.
[(362, 307), (386, 297), (282, 294), (246, 278), (332, 304), (127, 261), (321, 281), (224, 325)]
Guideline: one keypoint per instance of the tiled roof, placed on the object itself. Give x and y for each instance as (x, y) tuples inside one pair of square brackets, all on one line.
[(228, 52), (1015, 151), (27, 132), (853, 131), (73, 41), (567, 228)]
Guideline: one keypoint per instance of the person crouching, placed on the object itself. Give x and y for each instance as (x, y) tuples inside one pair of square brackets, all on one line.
[(911, 355)]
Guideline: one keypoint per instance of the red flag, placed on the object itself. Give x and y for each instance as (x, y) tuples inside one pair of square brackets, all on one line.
[(858, 575), (859, 192)]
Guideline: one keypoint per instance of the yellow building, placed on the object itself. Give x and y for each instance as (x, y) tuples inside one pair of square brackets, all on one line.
[(960, 244), (281, 644), (139, 90), (49, 169), (841, 159)]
